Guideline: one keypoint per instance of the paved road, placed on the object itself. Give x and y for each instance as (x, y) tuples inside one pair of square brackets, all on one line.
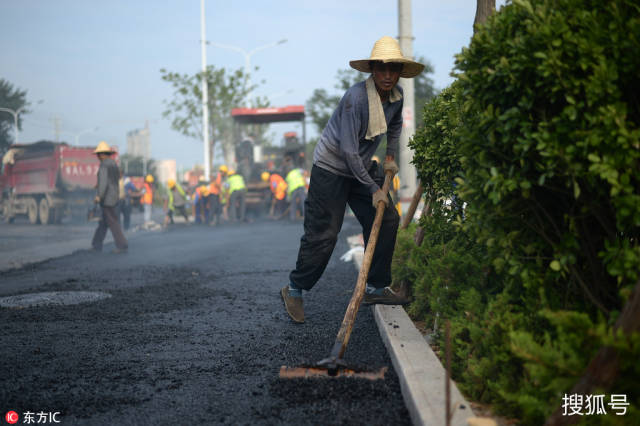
[(22, 243), (194, 333)]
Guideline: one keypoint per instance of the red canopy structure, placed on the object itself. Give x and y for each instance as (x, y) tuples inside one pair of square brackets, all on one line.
[(270, 115)]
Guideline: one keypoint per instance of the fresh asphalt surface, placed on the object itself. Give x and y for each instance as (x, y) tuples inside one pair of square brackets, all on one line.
[(194, 333)]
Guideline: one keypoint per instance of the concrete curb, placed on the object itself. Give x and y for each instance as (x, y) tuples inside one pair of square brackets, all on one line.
[(422, 376)]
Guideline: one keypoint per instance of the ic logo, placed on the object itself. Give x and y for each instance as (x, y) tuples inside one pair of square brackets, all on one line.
[(12, 417)]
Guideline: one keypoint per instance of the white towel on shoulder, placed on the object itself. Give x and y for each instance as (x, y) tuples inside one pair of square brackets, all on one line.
[(377, 122)]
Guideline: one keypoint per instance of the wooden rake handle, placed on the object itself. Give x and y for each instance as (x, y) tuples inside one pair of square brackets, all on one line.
[(352, 310)]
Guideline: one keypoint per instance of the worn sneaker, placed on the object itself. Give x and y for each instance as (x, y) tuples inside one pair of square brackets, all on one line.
[(293, 305), (388, 297)]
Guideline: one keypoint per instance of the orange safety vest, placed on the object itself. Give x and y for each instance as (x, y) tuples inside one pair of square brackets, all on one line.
[(278, 186), (147, 197), (214, 187)]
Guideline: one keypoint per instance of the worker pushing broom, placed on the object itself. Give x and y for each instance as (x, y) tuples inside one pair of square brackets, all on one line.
[(343, 172)]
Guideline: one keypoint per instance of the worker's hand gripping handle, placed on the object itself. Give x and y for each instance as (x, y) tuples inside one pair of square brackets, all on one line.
[(388, 177)]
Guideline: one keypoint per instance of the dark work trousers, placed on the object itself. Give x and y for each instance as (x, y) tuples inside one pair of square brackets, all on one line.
[(124, 208), (237, 206), (216, 208), (181, 210), (323, 215), (109, 220), (297, 202), (202, 210)]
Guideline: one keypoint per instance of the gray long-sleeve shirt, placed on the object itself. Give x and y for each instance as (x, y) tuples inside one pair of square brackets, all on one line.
[(343, 149), (108, 175)]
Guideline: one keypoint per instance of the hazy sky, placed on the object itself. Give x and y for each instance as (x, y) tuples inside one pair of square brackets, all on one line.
[(96, 63)]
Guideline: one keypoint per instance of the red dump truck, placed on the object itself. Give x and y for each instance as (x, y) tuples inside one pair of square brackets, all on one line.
[(46, 181)]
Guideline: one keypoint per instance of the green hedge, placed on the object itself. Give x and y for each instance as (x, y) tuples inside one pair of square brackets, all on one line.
[(540, 136)]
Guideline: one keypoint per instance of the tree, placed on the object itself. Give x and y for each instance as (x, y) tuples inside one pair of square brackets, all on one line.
[(226, 90), (424, 89), (14, 99)]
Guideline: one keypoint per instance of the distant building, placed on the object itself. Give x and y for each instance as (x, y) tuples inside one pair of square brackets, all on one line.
[(165, 170), (139, 142)]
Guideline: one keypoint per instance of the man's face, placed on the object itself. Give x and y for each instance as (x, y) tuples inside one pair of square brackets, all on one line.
[(386, 75)]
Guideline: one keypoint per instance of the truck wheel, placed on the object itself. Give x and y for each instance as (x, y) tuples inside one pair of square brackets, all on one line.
[(32, 210), (46, 212), (5, 211)]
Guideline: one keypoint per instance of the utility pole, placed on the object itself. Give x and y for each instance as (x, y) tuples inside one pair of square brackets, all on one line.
[(56, 127), (484, 9), (407, 170), (205, 94)]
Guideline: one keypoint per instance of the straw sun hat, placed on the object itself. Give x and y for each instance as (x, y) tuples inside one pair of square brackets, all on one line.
[(387, 49), (103, 148)]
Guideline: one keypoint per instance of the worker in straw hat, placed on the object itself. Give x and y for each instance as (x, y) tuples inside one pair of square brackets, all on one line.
[(344, 173), (107, 195)]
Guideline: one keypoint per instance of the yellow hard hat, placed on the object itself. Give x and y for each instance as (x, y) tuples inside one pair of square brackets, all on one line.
[(204, 190), (376, 159), (265, 176), (223, 169), (231, 172), (103, 148), (148, 179), (171, 183)]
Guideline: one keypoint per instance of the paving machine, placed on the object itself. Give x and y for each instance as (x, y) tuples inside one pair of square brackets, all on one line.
[(253, 158)]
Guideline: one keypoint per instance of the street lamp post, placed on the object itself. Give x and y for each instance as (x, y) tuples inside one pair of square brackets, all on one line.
[(15, 114), (247, 56), (205, 94), (85, 131)]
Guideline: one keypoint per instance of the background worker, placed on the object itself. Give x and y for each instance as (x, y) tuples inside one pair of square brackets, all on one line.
[(107, 195), (343, 174), (224, 194), (278, 188), (121, 196), (296, 192), (199, 200), (205, 203), (129, 191), (147, 197), (215, 189), (176, 202), (237, 191)]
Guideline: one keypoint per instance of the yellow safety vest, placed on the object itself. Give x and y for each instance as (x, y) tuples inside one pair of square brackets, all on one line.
[(236, 183), (294, 180), (180, 190)]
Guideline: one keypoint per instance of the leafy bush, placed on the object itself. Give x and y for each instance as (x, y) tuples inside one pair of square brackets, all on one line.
[(540, 136)]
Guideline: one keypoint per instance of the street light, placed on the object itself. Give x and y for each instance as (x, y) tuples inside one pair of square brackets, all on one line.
[(15, 114), (247, 55), (279, 94), (205, 93), (85, 131)]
